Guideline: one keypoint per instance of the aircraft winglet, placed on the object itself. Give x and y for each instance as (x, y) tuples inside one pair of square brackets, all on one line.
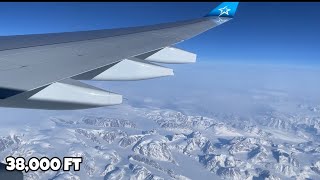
[(225, 9)]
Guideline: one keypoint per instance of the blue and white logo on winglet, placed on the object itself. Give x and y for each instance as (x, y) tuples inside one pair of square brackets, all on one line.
[(226, 9)]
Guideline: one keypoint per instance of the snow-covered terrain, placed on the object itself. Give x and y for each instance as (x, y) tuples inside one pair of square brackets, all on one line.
[(176, 146), (278, 136)]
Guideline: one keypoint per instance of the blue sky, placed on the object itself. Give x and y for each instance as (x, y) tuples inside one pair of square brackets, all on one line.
[(261, 32)]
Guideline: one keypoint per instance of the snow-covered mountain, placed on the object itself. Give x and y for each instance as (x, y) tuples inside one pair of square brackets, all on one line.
[(168, 144)]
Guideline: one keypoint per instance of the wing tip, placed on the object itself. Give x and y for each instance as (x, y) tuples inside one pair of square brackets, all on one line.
[(225, 9)]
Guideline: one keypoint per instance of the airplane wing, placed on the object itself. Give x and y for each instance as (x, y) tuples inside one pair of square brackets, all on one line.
[(42, 71)]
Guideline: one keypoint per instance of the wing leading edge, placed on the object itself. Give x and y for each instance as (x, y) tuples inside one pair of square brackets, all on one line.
[(41, 71)]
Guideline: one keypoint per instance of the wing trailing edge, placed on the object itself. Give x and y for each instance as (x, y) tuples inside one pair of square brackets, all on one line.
[(141, 67), (169, 55), (64, 95), (127, 70)]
